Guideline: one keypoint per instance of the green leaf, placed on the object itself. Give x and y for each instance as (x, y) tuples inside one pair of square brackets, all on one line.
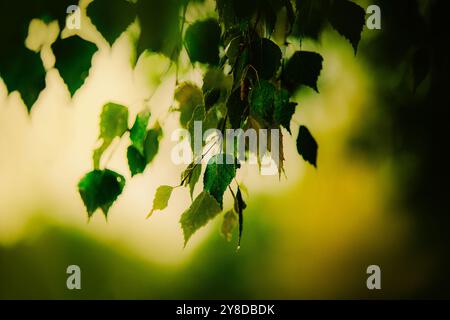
[(189, 96), (203, 209), (25, 73), (237, 109), (311, 18), (303, 68), (202, 41), (239, 206), (284, 109), (111, 17), (307, 146), (136, 161), (151, 143), (262, 101), (73, 60), (199, 114), (160, 26), (161, 199), (348, 19), (113, 123), (99, 189), (139, 130), (265, 57), (219, 173), (191, 175), (230, 221)]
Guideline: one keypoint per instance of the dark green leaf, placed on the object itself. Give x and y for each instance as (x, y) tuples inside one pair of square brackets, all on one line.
[(262, 101), (303, 68), (111, 17), (160, 26), (239, 206), (211, 97), (311, 18), (348, 19), (283, 109), (202, 41), (136, 161), (99, 189), (151, 143), (113, 123), (161, 199), (25, 73), (265, 57), (307, 146), (237, 109), (73, 60), (203, 209), (139, 130), (220, 171)]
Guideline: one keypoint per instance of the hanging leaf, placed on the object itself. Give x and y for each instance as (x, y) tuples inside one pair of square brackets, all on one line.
[(239, 206), (265, 58), (73, 60), (160, 26), (307, 146), (311, 18), (303, 68), (151, 143), (198, 115), (220, 171), (99, 189), (113, 123), (237, 109), (136, 161), (139, 130), (284, 110), (203, 209), (202, 41), (262, 101), (111, 17), (191, 175), (25, 73), (230, 221), (161, 199), (188, 96), (348, 19)]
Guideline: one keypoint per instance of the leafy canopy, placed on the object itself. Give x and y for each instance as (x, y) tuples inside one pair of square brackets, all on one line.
[(249, 80)]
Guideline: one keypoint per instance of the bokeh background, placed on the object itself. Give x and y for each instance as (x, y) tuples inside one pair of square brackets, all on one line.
[(378, 195)]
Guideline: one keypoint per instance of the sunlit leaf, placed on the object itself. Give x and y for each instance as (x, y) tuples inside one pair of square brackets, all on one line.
[(161, 199), (139, 130), (113, 123), (203, 209), (219, 173)]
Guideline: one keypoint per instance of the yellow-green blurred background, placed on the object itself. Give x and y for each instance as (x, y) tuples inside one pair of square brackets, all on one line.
[(310, 235)]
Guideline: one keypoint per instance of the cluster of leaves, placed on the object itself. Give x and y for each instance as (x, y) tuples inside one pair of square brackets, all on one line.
[(101, 187), (249, 83)]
